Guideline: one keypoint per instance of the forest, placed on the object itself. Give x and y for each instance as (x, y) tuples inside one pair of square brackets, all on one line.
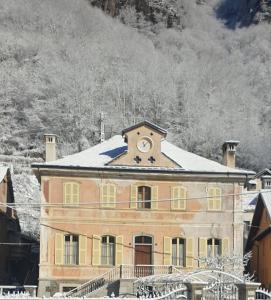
[(198, 68)]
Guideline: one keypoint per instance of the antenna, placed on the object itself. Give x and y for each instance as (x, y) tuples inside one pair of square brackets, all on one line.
[(102, 127)]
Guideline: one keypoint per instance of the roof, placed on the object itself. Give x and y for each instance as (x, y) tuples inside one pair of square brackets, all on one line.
[(3, 172), (101, 155), (263, 201), (148, 124), (266, 198), (262, 173), (250, 200)]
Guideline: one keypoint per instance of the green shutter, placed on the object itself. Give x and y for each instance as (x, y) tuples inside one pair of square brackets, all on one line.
[(154, 197)]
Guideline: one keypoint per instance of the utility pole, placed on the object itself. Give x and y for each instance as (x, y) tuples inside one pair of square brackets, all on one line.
[(102, 138)]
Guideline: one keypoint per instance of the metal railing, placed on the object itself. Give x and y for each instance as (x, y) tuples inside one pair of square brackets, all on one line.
[(137, 271), (94, 284), (15, 290), (263, 294)]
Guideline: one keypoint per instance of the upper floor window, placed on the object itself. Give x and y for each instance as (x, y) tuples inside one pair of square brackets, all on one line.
[(71, 193), (178, 252), (144, 197), (214, 247), (108, 195), (178, 197), (214, 198), (71, 247), (108, 250)]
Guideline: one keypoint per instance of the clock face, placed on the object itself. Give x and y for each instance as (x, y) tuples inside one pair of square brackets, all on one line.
[(144, 144)]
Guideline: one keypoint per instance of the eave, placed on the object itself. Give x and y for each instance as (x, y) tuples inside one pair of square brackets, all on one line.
[(158, 173)]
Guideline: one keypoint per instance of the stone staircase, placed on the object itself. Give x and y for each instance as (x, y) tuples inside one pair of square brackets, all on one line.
[(118, 280)]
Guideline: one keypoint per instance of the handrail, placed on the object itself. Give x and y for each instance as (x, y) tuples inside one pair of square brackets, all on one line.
[(95, 283), (263, 292)]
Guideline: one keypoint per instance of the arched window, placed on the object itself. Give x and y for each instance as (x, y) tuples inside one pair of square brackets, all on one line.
[(144, 197), (214, 247), (108, 245), (178, 252)]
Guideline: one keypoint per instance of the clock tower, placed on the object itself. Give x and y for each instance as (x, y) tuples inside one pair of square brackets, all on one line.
[(144, 147)]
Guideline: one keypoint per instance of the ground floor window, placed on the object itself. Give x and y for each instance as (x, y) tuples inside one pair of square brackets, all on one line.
[(178, 252), (71, 253), (108, 250), (214, 247)]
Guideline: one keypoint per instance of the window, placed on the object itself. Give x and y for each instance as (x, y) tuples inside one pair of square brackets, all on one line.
[(108, 195), (214, 198), (108, 250), (144, 197), (178, 252), (71, 247), (214, 247), (71, 193), (178, 197)]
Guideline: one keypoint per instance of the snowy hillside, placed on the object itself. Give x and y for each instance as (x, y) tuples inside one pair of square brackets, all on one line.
[(194, 67)]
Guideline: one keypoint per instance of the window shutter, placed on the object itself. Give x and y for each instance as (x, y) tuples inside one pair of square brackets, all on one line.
[(67, 193), (174, 197), (133, 200), (119, 250), (103, 195), (112, 195), (75, 193), (225, 247), (211, 197), (154, 197), (189, 257), (182, 201), (96, 250), (217, 202), (82, 250), (167, 250), (59, 248), (202, 250)]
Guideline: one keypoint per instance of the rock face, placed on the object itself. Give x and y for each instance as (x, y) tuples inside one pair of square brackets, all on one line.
[(260, 10), (153, 10)]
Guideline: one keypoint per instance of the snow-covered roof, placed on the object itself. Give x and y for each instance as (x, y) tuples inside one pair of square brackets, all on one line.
[(101, 155), (249, 200), (3, 172), (266, 197)]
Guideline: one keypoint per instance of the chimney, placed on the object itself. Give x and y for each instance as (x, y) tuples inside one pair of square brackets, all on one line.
[(229, 149), (50, 147)]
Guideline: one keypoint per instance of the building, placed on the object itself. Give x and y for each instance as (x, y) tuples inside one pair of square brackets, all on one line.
[(9, 225), (259, 240), (18, 258), (135, 199), (261, 181)]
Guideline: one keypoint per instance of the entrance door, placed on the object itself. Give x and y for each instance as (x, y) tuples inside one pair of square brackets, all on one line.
[(143, 256)]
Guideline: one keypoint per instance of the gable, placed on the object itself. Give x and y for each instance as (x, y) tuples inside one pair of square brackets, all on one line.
[(144, 149)]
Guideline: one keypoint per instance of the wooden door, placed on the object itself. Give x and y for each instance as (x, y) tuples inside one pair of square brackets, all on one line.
[(143, 260)]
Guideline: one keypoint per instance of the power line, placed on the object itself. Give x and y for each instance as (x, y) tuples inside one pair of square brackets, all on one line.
[(199, 198)]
